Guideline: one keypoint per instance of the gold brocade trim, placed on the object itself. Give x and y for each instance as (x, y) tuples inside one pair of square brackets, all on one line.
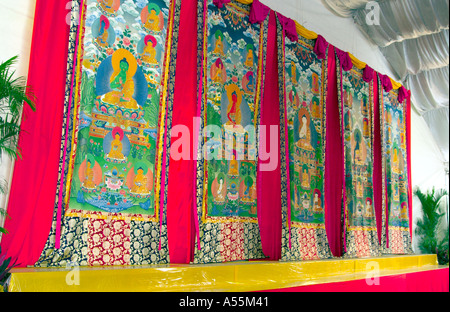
[(231, 220), (163, 106), (76, 102), (307, 225)]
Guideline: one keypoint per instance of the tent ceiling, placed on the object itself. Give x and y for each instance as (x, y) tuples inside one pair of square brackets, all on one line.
[(413, 35)]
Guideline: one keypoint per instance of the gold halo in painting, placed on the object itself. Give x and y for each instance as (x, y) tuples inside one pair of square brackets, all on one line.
[(132, 63)]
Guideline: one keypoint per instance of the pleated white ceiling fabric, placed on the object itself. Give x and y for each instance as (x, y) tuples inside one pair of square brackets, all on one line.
[(413, 35)]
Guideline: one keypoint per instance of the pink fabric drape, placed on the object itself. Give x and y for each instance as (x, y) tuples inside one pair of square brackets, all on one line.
[(386, 82), (33, 187), (258, 12), (345, 59), (408, 146), (378, 163), (333, 162), (320, 48), (289, 27), (269, 188), (182, 173)]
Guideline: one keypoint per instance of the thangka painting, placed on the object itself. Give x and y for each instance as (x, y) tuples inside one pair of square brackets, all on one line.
[(356, 111), (396, 238), (303, 80), (232, 61), (118, 95)]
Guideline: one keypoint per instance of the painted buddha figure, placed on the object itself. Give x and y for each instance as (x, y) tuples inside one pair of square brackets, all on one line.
[(102, 39), (395, 161), (153, 19), (368, 213), (218, 49), (359, 189), (364, 106), (234, 107), (293, 97), (219, 197), (234, 167), (89, 181), (304, 131), (140, 183), (107, 6), (249, 59), (305, 179), (317, 203), (116, 148), (404, 214), (148, 55), (366, 129), (122, 86), (218, 76), (293, 73)]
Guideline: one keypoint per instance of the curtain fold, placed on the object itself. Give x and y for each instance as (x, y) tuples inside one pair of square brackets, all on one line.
[(33, 187), (180, 199), (333, 165), (269, 196)]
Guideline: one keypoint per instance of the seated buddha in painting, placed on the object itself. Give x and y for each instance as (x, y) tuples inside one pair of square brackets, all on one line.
[(304, 130), (116, 145), (305, 179), (293, 73), (89, 180), (317, 203), (250, 57), (234, 114), (140, 181), (152, 21), (148, 55), (102, 39), (122, 83), (219, 48), (368, 212)]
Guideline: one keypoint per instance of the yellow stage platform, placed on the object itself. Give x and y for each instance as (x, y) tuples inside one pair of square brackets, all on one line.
[(228, 277)]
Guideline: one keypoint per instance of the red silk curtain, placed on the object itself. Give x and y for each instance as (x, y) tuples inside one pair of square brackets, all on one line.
[(33, 187), (182, 173), (269, 189), (333, 162)]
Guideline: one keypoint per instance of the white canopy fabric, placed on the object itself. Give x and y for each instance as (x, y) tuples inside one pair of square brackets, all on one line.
[(413, 35)]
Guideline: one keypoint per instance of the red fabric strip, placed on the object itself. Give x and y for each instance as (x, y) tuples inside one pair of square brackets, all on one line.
[(180, 197), (33, 187), (408, 146), (378, 163), (269, 195), (334, 163)]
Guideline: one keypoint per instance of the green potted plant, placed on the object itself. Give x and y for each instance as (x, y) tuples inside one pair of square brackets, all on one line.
[(14, 94), (429, 239)]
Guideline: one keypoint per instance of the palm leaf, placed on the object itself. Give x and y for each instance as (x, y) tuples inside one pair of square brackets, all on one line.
[(13, 91)]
